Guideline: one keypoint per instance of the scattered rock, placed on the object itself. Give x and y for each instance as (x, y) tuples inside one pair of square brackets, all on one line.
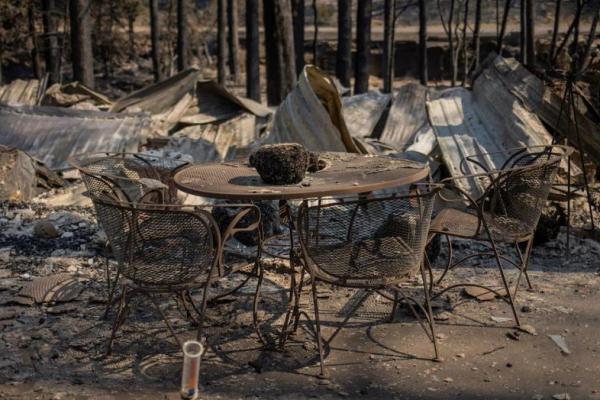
[(448, 380), (537, 397), (500, 319), (514, 335), (526, 309), (481, 294), (45, 230), (528, 329), (561, 396)]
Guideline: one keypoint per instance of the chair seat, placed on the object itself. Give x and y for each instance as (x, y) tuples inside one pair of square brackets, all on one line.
[(464, 224), (371, 261)]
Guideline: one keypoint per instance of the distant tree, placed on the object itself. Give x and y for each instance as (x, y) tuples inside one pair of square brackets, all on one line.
[(465, 53), (155, 39), (363, 46), (252, 51), (343, 64), (52, 53), (233, 39), (500, 40), (35, 53), (523, 32), (555, 30), (315, 45), (449, 28), (298, 21), (132, 9), (423, 42), (476, 34), (388, 44), (279, 49), (81, 42), (221, 41), (530, 32), (183, 33)]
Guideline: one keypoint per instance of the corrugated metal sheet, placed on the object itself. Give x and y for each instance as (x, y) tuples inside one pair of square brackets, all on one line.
[(363, 111), (535, 96), (20, 92), (161, 96), (311, 114), (52, 134), (489, 119), (407, 126)]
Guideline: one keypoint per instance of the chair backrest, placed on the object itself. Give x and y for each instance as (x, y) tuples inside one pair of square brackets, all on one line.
[(169, 246), (140, 177), (520, 193), (367, 241)]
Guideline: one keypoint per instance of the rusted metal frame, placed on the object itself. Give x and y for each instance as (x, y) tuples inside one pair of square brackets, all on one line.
[(524, 265)]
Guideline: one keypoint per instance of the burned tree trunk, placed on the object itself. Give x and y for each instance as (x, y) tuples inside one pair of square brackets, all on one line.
[(388, 43), (555, 30), (52, 54), (35, 53), (476, 35), (465, 53), (523, 32), (155, 39), (316, 31), (453, 66), (507, 5), (81, 42), (363, 46), (285, 36), (343, 62), (298, 20), (423, 42), (530, 32), (221, 41), (252, 51), (271, 53), (234, 40), (590, 40), (183, 33)]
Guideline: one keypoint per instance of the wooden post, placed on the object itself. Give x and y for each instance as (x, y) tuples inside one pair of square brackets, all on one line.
[(183, 33), (81, 42), (451, 49), (423, 42), (221, 41), (252, 51), (155, 40), (298, 21), (363, 46), (233, 39), (315, 31), (271, 53), (343, 63), (388, 23)]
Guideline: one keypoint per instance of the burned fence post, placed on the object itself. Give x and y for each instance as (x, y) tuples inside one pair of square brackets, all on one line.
[(363, 46), (530, 32), (252, 51), (81, 42), (343, 63), (388, 44), (316, 31)]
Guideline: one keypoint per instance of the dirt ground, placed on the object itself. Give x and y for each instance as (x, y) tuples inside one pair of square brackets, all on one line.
[(56, 351)]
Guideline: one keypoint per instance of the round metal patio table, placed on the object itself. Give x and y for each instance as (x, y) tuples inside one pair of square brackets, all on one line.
[(343, 174)]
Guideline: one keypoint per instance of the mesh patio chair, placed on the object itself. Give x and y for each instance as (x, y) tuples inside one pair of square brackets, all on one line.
[(507, 212), (172, 249), (371, 243), (141, 178)]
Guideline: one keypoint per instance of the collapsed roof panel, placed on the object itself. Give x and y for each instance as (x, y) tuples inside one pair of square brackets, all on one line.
[(311, 115), (487, 120), (537, 97), (21, 92), (52, 134), (363, 111), (407, 126)]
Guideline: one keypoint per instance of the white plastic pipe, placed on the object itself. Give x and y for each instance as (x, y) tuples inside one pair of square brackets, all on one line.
[(192, 353)]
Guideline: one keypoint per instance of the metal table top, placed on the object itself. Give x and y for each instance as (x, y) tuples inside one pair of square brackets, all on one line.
[(345, 173)]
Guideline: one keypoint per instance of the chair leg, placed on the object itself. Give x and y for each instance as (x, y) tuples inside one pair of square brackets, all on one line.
[(504, 281), (163, 316), (394, 307), (255, 308), (202, 312), (524, 258), (296, 312), (318, 329), (449, 263), (119, 319), (430, 319), (112, 287)]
